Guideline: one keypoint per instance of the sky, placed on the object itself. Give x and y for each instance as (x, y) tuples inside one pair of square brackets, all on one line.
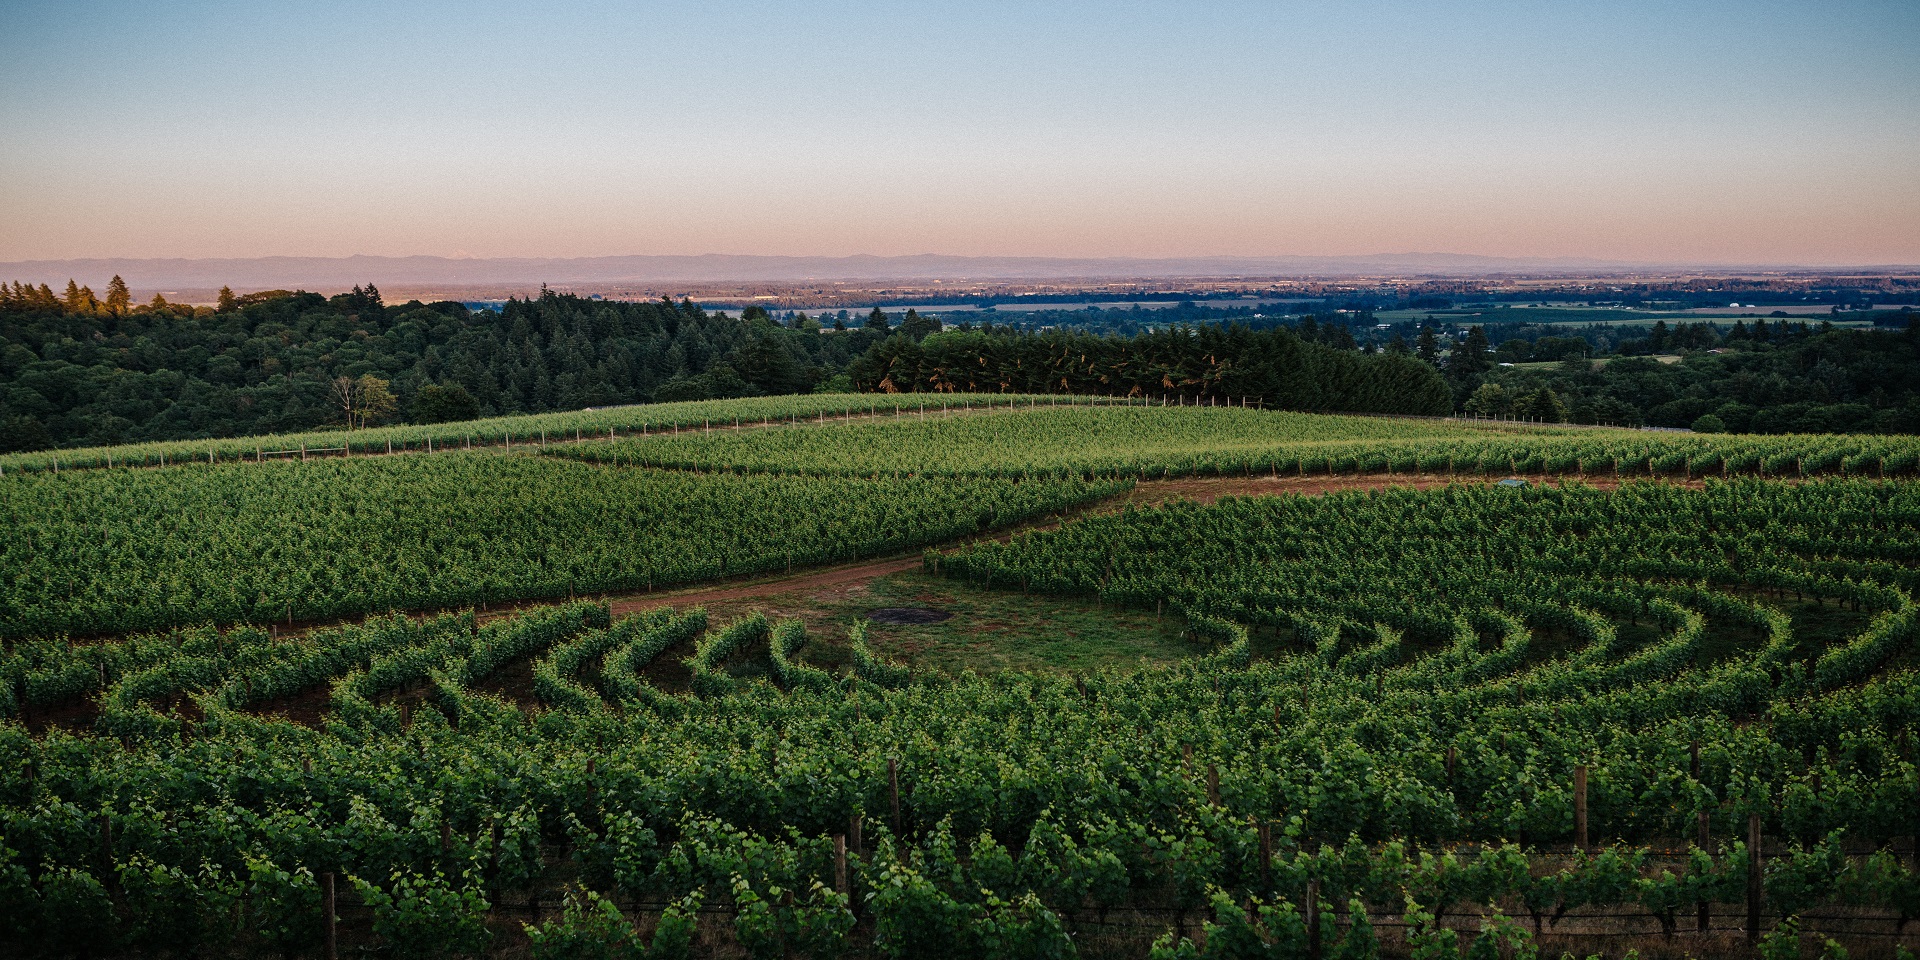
[(1673, 131)]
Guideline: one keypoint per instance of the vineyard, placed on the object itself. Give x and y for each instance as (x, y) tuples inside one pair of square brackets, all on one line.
[(530, 430), (1151, 442), (121, 550), (1463, 721)]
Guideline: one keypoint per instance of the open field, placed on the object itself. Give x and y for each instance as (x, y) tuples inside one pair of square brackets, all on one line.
[(1192, 682)]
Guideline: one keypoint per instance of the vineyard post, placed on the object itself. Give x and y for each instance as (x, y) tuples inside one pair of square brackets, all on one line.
[(1756, 892), (1213, 785), (107, 872), (853, 833), (493, 859), (1265, 830), (1450, 765), (327, 915), (840, 863), (1313, 919), (893, 791), (1580, 806)]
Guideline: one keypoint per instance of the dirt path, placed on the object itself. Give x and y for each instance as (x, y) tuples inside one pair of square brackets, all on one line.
[(805, 580)]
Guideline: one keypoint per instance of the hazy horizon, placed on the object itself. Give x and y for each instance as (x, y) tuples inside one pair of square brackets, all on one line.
[(1695, 133)]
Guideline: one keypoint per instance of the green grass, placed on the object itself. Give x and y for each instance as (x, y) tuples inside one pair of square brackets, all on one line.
[(990, 631)]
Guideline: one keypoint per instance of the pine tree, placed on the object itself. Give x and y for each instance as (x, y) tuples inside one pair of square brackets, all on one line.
[(1427, 347), (1468, 361), (119, 298), (228, 302), (72, 299), (877, 321)]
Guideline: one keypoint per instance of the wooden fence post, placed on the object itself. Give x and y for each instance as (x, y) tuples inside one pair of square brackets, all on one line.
[(1265, 830), (853, 833), (893, 791), (1580, 806), (1213, 785), (1756, 891), (327, 915), (107, 873), (1705, 842), (1313, 919), (493, 857), (840, 863)]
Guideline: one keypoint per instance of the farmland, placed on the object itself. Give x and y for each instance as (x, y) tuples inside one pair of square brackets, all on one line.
[(1662, 699)]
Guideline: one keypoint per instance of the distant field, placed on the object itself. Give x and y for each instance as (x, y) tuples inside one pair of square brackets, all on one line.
[(1607, 315)]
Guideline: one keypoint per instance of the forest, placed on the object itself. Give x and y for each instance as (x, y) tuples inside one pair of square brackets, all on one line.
[(75, 372), (79, 370)]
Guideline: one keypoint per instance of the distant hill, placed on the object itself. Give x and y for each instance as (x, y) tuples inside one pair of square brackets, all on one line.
[(325, 273)]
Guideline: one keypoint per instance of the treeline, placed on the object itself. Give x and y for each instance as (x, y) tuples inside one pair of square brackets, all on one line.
[(1764, 378), (1277, 368), (80, 370)]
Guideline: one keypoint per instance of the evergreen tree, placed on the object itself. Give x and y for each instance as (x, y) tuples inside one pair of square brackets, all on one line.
[(917, 326), (119, 298), (72, 299), (1427, 347), (877, 322), (1544, 406), (227, 303), (1468, 362)]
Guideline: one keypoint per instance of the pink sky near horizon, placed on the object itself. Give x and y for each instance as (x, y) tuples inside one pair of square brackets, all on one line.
[(1696, 132)]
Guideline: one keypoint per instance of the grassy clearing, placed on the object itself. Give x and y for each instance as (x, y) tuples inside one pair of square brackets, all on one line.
[(990, 631)]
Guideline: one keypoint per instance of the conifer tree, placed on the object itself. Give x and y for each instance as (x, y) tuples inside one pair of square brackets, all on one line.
[(119, 298), (228, 302), (1427, 347)]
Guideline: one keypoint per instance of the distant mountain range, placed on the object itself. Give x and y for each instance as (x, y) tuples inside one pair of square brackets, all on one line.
[(329, 273)]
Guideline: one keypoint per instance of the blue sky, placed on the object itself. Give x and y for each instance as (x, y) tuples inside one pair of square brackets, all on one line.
[(1731, 132)]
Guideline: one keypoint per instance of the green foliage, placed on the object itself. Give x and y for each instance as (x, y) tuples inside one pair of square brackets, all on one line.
[(421, 916), (262, 363), (76, 916), (138, 550), (590, 927), (283, 906), (1783, 943), (1359, 943), (174, 909), (1134, 438)]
